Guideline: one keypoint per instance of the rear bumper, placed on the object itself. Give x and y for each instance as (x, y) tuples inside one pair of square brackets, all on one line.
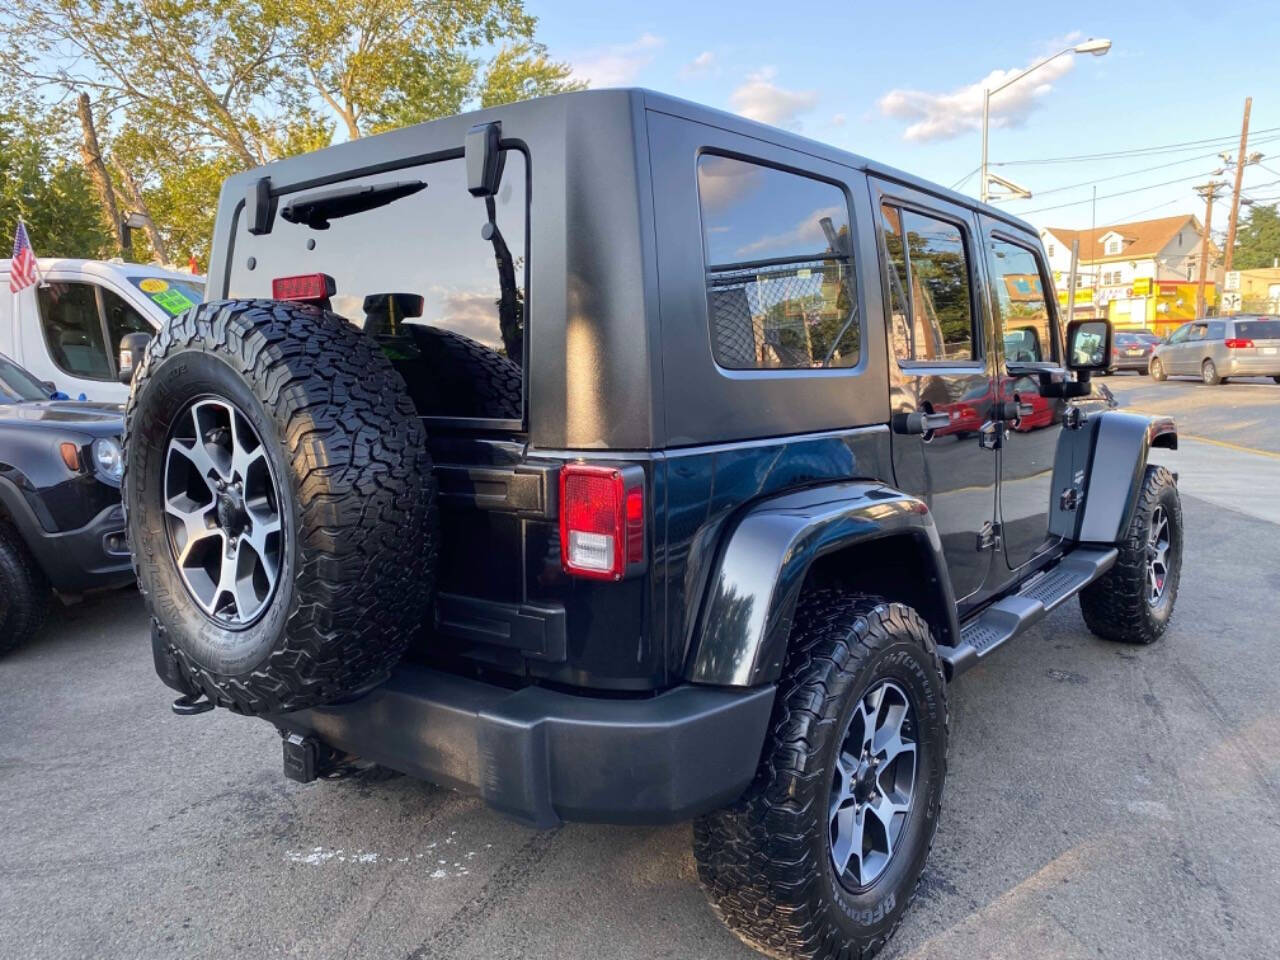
[(543, 756), (1131, 363), (1250, 367)]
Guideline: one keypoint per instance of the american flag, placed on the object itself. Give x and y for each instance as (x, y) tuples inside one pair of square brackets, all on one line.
[(23, 271)]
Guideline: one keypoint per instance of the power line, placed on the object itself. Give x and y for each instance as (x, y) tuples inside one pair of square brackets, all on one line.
[(1137, 151), (1121, 176), (1108, 196), (965, 179)]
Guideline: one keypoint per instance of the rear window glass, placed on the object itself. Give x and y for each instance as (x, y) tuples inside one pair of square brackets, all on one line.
[(780, 275), (1258, 329), (462, 354), (171, 296)]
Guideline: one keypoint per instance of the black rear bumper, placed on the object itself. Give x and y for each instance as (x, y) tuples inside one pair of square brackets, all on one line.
[(543, 756)]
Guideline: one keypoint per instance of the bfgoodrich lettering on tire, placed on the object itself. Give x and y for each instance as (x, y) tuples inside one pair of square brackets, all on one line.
[(823, 853), (280, 504)]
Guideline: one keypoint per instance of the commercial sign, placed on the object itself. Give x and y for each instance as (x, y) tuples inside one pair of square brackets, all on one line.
[(1142, 286)]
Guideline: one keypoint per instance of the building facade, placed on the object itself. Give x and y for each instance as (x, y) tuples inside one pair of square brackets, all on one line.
[(1140, 274)]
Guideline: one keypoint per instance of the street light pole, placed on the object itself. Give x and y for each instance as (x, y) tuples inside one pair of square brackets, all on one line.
[(1095, 47)]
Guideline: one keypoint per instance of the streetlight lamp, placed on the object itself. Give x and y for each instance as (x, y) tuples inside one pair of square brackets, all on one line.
[(1095, 47)]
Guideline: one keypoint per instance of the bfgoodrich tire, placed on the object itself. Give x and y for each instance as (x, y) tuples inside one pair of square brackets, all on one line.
[(24, 592), (1133, 601), (280, 504), (862, 682)]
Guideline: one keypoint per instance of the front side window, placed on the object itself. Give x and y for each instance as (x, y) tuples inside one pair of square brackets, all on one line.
[(73, 330), (930, 301), (779, 268), (1021, 306), (1180, 335), (121, 319), (435, 274)]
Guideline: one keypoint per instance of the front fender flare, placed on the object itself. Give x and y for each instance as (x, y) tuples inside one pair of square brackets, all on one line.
[(1121, 443), (746, 616)]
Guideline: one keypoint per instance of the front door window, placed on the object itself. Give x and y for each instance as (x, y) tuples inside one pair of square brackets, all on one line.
[(73, 330)]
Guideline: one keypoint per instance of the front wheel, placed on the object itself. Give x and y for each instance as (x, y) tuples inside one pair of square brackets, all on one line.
[(822, 855), (24, 592), (1133, 601), (1156, 369), (1209, 373)]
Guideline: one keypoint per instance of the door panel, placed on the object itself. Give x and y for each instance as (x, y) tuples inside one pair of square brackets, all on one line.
[(1029, 341), (938, 329)]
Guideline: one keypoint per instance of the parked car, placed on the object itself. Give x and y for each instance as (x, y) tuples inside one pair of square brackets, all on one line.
[(1245, 345), (69, 327), (580, 452), (1130, 351), (61, 525)]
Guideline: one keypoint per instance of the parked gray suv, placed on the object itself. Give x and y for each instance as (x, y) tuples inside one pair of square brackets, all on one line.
[(1215, 349)]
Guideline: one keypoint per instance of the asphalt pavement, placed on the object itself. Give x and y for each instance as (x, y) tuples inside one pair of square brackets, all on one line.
[(1102, 801)]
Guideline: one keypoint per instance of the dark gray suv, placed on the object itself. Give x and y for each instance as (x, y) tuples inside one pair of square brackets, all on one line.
[(621, 460), (1221, 347)]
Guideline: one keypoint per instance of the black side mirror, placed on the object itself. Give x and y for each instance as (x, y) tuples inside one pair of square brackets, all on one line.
[(132, 347), (1088, 347), (485, 159)]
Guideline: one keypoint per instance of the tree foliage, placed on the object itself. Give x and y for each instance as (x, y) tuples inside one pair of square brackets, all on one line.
[(186, 92), (42, 185), (1257, 238)]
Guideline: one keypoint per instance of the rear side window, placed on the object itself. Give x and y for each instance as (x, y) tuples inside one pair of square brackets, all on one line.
[(779, 270), (1258, 329), (73, 330), (1217, 330), (930, 298), (464, 337), (1018, 283)]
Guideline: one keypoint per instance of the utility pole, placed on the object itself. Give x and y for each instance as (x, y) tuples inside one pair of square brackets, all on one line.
[(1210, 193), (1235, 194)]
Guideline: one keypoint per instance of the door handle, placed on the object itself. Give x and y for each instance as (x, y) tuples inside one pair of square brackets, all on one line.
[(919, 422)]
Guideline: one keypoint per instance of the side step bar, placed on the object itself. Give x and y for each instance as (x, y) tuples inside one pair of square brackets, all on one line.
[(1008, 617)]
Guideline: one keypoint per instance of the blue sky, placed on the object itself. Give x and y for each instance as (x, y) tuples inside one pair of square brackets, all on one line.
[(901, 82)]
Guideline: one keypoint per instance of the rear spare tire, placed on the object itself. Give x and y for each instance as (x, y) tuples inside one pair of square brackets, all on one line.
[(280, 504)]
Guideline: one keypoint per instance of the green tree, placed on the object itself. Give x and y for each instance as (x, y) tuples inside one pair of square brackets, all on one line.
[(1257, 239), (50, 193)]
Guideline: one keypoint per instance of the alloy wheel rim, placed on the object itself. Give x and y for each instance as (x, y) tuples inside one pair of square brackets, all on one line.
[(1209, 370), (222, 512), (873, 786), (1159, 542)]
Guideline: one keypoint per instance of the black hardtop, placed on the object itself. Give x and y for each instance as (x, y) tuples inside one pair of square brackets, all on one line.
[(595, 312)]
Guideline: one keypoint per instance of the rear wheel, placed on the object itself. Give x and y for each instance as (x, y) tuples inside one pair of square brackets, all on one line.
[(822, 855), (1276, 379), (24, 592), (1209, 373), (1133, 601), (280, 504), (1156, 369)]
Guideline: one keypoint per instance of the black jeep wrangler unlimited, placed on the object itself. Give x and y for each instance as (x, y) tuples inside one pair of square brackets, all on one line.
[(622, 460)]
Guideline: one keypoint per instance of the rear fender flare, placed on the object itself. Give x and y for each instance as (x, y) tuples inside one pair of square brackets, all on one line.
[(742, 634)]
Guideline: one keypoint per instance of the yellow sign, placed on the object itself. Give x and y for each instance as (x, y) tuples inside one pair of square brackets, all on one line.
[(153, 285), (1084, 296), (1142, 286)]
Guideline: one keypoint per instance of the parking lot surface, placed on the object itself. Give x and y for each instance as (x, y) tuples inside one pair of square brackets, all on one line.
[(1102, 801)]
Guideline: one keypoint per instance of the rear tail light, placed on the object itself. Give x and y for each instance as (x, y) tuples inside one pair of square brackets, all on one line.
[(305, 288), (1239, 343), (601, 521)]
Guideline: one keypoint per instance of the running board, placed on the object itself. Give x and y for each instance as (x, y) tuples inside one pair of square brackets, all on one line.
[(1007, 618)]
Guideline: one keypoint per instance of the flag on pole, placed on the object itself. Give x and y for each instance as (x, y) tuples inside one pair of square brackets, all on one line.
[(23, 271)]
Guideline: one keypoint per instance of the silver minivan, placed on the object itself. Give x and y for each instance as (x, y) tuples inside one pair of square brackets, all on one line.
[(1217, 348)]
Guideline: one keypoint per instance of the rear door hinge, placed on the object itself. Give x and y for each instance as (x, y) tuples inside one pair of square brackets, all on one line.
[(989, 536)]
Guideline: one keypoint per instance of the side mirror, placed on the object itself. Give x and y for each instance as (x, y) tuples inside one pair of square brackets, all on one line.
[(132, 347), (1088, 347), (485, 159)]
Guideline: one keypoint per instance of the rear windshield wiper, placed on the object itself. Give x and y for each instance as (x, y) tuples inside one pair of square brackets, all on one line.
[(317, 209)]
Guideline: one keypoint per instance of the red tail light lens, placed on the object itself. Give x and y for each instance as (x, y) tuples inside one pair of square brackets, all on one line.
[(1239, 343), (601, 522), (305, 288)]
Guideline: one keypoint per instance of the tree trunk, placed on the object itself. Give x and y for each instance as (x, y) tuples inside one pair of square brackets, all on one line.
[(91, 154), (158, 246)]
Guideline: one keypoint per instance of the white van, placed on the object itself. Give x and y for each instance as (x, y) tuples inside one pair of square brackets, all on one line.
[(67, 329)]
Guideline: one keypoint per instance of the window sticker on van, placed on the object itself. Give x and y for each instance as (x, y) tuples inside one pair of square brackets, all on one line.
[(171, 296)]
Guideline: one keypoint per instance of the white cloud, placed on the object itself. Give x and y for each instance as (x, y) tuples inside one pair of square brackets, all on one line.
[(619, 64), (941, 116), (808, 233), (700, 64), (759, 98), (839, 120)]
